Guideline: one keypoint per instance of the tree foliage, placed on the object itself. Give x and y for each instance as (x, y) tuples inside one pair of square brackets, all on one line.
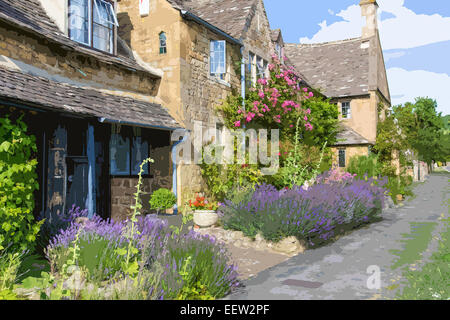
[(424, 129)]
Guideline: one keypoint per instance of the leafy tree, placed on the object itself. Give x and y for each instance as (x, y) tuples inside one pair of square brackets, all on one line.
[(424, 129), (18, 181)]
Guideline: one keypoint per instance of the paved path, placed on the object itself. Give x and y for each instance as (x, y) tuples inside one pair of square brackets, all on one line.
[(339, 270)]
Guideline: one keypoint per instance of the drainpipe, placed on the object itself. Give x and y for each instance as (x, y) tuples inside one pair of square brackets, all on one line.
[(243, 77), (175, 171)]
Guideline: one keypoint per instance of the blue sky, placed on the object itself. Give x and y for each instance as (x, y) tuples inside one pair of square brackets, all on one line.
[(415, 35)]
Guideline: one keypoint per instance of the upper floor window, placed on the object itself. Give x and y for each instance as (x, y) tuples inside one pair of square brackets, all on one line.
[(93, 22), (262, 65), (257, 68), (162, 43), (346, 110), (278, 51), (251, 69), (218, 59)]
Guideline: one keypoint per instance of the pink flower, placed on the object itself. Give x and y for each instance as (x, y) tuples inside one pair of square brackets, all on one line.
[(237, 124), (239, 111), (305, 118), (261, 94), (308, 111), (308, 126), (271, 67), (305, 89), (263, 81), (311, 95)]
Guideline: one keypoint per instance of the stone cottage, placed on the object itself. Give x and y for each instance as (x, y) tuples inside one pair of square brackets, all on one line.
[(352, 74), (206, 49), (91, 103)]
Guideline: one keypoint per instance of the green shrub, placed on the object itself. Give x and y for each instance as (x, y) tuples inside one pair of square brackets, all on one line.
[(162, 199), (9, 267), (364, 165), (18, 181)]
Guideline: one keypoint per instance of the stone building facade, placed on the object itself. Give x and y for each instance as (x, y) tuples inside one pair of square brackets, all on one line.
[(188, 89), (74, 98)]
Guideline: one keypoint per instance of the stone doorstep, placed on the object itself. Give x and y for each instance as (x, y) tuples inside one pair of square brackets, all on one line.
[(290, 246)]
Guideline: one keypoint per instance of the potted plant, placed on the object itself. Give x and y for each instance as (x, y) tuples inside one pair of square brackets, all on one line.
[(205, 214), (162, 199)]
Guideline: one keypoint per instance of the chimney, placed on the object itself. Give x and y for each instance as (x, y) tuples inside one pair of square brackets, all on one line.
[(369, 10)]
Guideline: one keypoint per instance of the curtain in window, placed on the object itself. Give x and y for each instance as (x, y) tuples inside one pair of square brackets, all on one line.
[(261, 65), (103, 26), (120, 154), (139, 153), (79, 20), (218, 58)]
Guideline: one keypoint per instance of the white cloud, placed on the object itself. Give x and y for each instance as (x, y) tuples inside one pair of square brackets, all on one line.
[(393, 55), (405, 86), (406, 30)]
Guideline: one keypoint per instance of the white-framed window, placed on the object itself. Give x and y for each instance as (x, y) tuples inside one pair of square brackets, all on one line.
[(261, 65), (346, 110), (279, 51), (93, 23), (251, 68), (218, 59)]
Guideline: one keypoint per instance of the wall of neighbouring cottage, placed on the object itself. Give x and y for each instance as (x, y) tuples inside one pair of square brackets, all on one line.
[(350, 151), (257, 37), (28, 53), (364, 115), (142, 36)]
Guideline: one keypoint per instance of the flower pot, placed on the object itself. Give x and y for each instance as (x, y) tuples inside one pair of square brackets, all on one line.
[(205, 218)]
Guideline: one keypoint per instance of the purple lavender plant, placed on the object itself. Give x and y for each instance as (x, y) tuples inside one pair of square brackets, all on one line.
[(316, 213)]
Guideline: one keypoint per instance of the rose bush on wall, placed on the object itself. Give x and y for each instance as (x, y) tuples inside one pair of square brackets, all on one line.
[(273, 103)]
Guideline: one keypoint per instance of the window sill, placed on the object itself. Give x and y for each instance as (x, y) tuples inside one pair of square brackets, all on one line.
[(222, 82), (145, 176)]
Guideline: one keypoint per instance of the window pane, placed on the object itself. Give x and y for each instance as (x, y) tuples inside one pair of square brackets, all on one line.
[(346, 111), (342, 158), (217, 57), (104, 14), (79, 20), (103, 38), (120, 154), (138, 154)]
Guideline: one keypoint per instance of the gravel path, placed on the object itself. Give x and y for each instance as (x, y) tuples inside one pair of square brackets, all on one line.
[(340, 270)]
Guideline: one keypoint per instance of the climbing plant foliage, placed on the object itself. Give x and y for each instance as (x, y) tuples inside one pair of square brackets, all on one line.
[(18, 181)]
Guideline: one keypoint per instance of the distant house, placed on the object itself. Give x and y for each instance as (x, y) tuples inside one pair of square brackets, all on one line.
[(90, 102), (352, 74)]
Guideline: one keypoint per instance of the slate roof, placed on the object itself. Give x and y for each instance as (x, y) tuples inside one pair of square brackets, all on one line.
[(55, 96), (29, 15), (338, 68), (231, 16), (348, 136)]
